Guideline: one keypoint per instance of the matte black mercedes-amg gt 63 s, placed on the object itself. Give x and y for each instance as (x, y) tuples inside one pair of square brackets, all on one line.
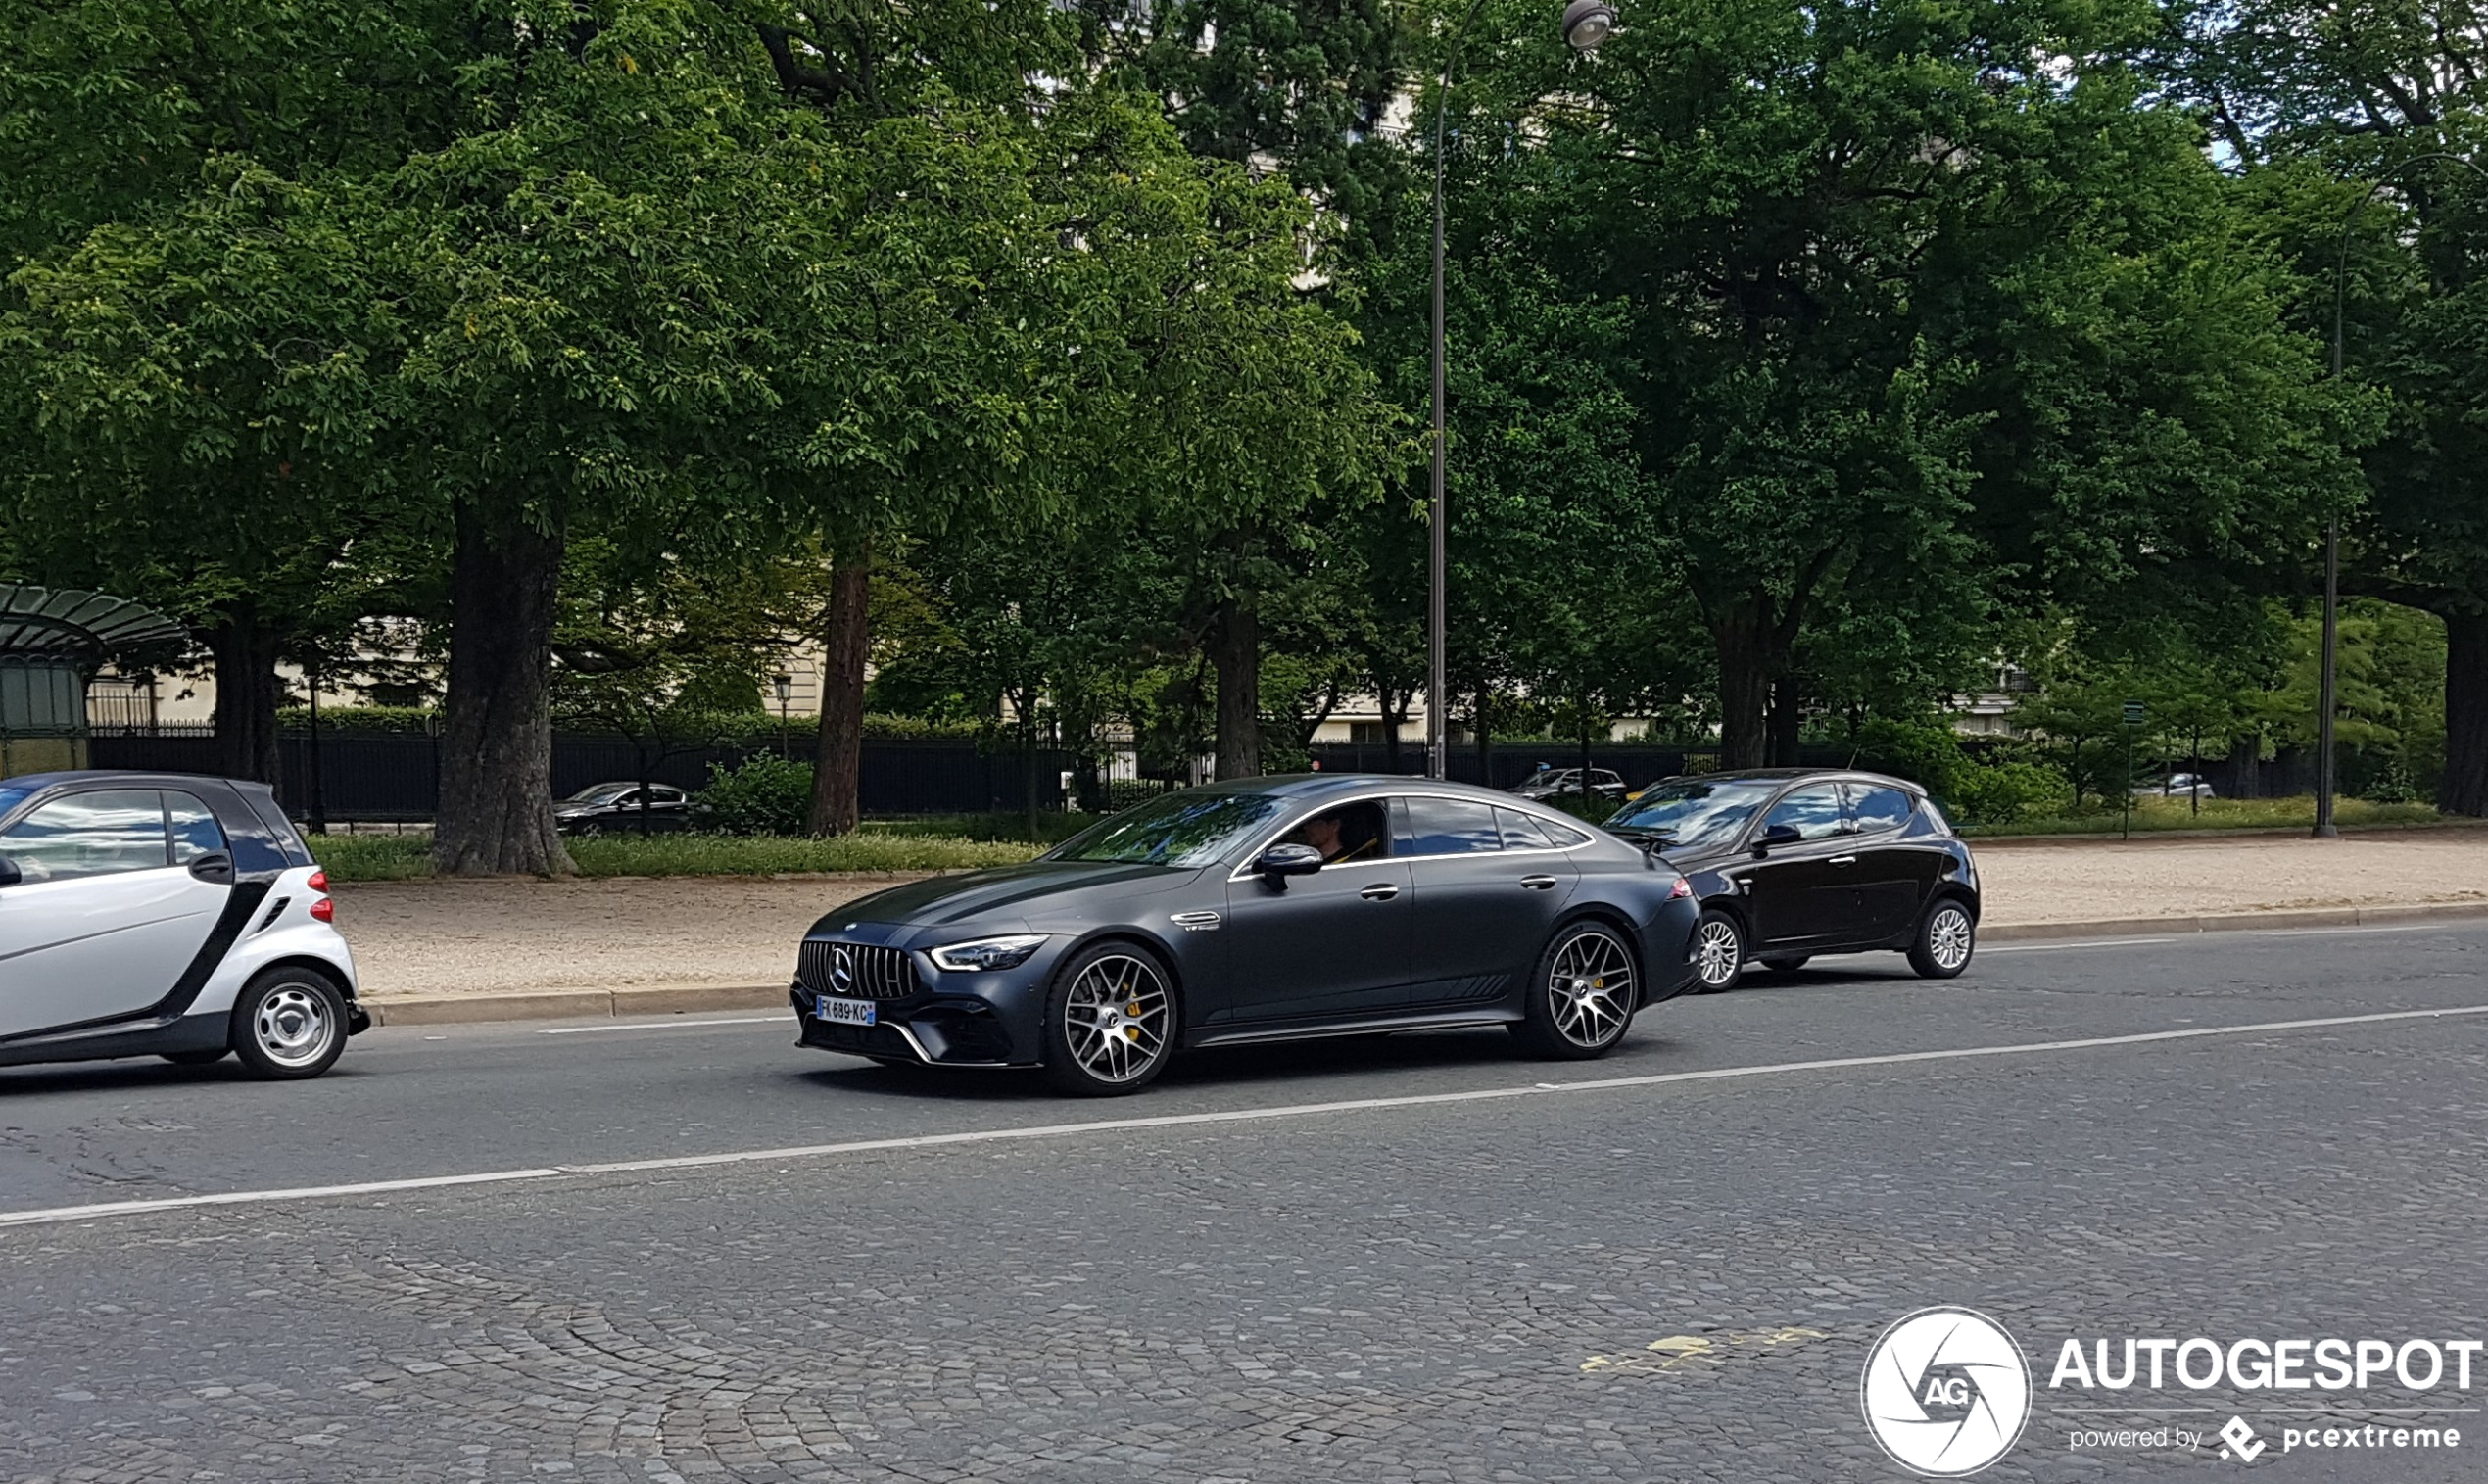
[(1789, 863), (1259, 910)]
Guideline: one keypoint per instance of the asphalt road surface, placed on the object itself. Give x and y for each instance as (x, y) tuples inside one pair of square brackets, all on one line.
[(691, 1251)]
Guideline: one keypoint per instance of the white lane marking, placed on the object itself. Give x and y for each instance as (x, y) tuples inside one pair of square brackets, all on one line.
[(749, 1020), (2102, 942), (1187, 1120)]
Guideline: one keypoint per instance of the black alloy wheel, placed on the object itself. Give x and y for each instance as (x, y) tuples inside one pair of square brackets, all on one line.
[(1582, 996), (1109, 1021)]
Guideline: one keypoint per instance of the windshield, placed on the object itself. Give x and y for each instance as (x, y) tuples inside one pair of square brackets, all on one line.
[(1694, 812), (1188, 828), (599, 793)]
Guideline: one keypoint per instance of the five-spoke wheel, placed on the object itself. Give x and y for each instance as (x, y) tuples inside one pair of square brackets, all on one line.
[(1583, 995), (1112, 1023)]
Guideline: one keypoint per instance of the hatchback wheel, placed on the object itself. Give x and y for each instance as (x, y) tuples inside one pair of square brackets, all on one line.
[(1582, 998), (289, 1024), (1946, 937), (1110, 1023), (1719, 952)]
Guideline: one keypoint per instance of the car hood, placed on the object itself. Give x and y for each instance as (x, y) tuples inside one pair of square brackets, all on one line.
[(1014, 895), (1682, 857)]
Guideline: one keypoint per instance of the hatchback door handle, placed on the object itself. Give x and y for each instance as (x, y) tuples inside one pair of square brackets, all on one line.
[(1844, 860), (1537, 882), (1380, 892)]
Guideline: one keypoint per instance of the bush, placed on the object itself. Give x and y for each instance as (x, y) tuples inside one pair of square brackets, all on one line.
[(766, 795), (1995, 794)]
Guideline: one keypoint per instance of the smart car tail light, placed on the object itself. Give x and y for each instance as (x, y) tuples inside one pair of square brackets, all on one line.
[(324, 909), (318, 879)]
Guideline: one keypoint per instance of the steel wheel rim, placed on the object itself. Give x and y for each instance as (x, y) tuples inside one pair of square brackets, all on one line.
[(1949, 939), (293, 1027), (1116, 1016), (1717, 955), (1589, 988)]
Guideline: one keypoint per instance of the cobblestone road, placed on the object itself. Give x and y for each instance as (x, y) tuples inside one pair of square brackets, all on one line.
[(1664, 1282)]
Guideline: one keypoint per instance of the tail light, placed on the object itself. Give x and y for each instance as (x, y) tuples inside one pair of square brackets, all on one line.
[(318, 879), (1682, 888), (324, 909)]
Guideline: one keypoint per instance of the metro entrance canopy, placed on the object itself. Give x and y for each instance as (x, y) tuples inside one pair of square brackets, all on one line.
[(51, 643)]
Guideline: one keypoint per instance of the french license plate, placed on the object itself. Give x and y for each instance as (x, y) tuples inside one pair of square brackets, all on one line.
[(845, 1012)]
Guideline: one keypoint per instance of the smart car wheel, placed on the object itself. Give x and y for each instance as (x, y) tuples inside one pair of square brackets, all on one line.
[(289, 1024), (1110, 1023), (1719, 952), (1946, 937), (1583, 995)]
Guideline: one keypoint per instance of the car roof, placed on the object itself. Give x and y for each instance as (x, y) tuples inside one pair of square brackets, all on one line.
[(1320, 785), (1793, 775), (154, 777)]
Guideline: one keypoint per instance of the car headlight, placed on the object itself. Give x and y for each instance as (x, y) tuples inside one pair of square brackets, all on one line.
[(987, 954)]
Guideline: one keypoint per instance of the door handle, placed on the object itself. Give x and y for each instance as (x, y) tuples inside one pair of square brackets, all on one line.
[(1537, 882), (1379, 891), (1844, 860)]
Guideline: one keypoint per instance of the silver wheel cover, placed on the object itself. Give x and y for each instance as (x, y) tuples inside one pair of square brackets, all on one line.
[(1948, 938), (1717, 954), (1589, 988), (294, 1026), (1116, 1017)]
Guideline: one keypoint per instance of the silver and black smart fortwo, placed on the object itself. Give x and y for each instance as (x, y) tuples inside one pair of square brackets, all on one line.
[(1261, 910), (148, 914)]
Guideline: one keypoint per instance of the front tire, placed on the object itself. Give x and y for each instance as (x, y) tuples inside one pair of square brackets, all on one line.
[(1109, 1021), (1947, 935), (1719, 953), (290, 1023), (1582, 996)]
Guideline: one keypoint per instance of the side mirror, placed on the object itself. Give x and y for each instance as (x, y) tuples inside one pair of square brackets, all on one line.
[(1777, 834), (10, 874), (1279, 862)]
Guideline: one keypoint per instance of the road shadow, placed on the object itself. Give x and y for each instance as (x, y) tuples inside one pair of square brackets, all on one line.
[(138, 1075), (1347, 1066)]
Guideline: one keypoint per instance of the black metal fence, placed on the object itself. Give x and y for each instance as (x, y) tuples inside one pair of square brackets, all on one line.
[(396, 775)]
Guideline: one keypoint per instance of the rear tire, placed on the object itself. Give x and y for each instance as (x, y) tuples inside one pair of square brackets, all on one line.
[(1582, 994), (204, 1056), (1947, 935), (1719, 952), (1111, 1022), (290, 1023)]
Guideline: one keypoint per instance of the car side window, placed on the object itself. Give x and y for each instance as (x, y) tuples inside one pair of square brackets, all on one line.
[(1350, 833), (1813, 812), (195, 831), (1448, 827), (1520, 832), (1874, 810), (99, 834)]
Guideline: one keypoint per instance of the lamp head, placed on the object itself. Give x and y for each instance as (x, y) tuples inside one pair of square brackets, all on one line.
[(1587, 23)]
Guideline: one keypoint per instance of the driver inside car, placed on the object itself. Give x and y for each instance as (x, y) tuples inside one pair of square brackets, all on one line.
[(1339, 837)]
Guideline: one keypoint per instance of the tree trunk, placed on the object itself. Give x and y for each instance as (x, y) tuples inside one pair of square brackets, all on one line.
[(2465, 788), (1744, 685), (838, 767), (1236, 652), (247, 691), (495, 809), (1485, 741), (1788, 718)]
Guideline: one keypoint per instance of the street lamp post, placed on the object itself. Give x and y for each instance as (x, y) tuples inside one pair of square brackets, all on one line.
[(1586, 23), (2326, 702)]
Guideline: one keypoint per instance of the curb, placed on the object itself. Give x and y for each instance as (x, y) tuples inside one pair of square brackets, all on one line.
[(700, 999), (2234, 922)]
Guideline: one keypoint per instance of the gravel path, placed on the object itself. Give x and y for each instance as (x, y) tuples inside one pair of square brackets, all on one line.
[(429, 938)]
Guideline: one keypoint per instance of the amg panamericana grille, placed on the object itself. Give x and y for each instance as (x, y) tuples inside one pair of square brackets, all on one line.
[(856, 971)]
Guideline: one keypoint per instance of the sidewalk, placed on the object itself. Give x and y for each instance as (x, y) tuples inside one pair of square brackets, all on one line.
[(518, 949)]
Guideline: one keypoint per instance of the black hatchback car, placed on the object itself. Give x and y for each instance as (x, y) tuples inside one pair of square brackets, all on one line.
[(1790, 863), (1267, 909)]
